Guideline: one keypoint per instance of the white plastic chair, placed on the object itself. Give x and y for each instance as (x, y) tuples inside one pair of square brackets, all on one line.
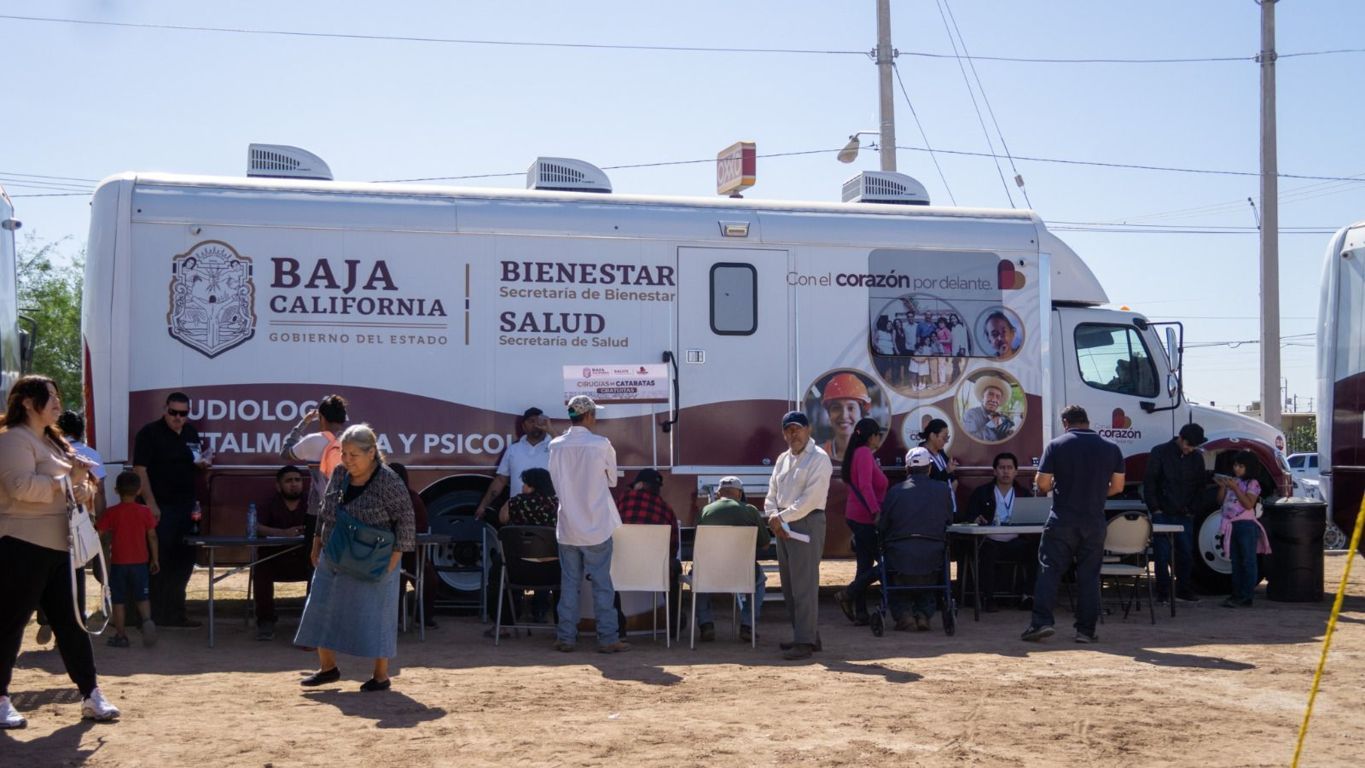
[(723, 561), (639, 563), (1129, 535)]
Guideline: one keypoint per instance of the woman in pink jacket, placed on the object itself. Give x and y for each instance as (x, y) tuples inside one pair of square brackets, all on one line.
[(866, 486)]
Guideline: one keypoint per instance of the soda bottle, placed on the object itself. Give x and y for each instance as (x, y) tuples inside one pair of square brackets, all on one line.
[(196, 515), (251, 520)]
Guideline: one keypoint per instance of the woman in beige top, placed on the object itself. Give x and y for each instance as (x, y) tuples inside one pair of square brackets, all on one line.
[(35, 564)]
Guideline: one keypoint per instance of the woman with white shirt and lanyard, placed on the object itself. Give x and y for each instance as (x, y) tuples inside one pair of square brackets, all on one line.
[(35, 563), (935, 438)]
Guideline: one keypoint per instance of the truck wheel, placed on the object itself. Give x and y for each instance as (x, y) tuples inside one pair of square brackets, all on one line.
[(443, 509), (1212, 570), (1335, 538)]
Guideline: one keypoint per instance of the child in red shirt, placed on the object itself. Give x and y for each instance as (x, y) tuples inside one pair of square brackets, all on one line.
[(132, 529)]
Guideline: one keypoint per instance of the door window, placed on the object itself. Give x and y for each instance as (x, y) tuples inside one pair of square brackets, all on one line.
[(1114, 358), (734, 299)]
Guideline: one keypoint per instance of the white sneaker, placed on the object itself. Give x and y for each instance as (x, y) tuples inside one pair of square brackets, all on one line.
[(44, 634), (148, 633), (9, 716), (98, 708)]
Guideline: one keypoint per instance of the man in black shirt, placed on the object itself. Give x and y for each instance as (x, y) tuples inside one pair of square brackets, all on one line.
[(165, 455), (1172, 486), (1080, 469)]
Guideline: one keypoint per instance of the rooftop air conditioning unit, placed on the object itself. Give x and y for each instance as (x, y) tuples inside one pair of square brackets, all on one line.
[(564, 174), (278, 161), (885, 187)]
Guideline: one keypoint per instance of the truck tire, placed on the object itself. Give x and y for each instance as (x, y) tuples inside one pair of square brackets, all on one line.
[(441, 510), (1212, 572)]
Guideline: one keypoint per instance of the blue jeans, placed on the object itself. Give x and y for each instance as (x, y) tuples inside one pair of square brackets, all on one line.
[(595, 563), (1245, 536), (1061, 547), (1184, 554), (865, 550), (760, 587)]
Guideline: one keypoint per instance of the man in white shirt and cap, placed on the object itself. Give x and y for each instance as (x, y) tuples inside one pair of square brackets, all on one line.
[(583, 469), (796, 505)]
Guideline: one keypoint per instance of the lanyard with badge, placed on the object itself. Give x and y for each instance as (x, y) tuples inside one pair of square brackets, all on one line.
[(1004, 507)]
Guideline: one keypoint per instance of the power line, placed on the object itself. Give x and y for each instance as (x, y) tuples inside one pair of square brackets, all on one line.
[(980, 86), (424, 39), (897, 70), (665, 48), (972, 95), (1136, 166), (610, 167)]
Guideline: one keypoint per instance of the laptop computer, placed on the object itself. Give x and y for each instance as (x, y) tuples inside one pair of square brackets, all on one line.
[(1030, 510)]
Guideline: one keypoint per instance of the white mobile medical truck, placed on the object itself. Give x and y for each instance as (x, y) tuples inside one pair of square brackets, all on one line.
[(442, 314), (1341, 376), (12, 346)]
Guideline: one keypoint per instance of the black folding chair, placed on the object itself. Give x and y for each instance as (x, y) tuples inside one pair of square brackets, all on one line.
[(530, 560)]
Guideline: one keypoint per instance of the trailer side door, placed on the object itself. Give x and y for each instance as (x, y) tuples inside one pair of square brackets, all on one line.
[(733, 354)]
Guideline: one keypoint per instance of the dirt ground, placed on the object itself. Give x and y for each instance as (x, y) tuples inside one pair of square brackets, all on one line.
[(1211, 687)]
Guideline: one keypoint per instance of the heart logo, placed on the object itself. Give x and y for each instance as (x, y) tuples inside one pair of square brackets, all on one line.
[(1120, 420), (1008, 278)]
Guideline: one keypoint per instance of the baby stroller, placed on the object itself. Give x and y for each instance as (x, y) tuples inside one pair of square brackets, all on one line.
[(922, 547)]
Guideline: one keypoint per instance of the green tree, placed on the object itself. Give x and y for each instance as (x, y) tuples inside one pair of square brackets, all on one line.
[(1303, 438), (49, 287)]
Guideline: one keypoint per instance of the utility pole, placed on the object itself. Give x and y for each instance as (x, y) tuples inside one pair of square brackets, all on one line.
[(1270, 225), (885, 57)]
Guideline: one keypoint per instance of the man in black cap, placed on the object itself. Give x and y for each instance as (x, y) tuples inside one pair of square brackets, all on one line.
[(795, 508), (1172, 488), (531, 450), (642, 505)]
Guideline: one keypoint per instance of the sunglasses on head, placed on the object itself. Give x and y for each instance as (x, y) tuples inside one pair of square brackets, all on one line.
[(181, 414)]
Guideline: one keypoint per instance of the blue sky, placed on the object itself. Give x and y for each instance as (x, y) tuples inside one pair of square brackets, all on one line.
[(86, 101)]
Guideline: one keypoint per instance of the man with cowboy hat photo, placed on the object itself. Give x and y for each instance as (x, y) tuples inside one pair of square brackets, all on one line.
[(986, 422)]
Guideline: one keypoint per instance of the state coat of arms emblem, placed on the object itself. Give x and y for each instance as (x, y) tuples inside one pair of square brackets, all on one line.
[(212, 307)]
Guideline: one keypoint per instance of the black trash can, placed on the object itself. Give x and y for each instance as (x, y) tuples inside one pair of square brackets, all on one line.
[(1294, 571)]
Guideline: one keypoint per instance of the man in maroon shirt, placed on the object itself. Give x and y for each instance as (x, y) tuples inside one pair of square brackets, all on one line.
[(642, 505), (283, 515)]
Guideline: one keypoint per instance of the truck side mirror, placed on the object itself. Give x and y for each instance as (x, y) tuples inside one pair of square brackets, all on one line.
[(1173, 350), (28, 339)]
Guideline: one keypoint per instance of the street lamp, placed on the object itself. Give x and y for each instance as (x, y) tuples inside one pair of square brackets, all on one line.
[(850, 151)]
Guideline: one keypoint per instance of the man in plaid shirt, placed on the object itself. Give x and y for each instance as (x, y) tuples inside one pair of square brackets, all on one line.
[(642, 505)]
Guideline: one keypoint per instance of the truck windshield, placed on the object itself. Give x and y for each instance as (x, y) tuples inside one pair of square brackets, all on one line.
[(1114, 358)]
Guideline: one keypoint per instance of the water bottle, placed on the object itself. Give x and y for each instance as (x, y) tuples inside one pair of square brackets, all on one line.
[(251, 520), (196, 514)]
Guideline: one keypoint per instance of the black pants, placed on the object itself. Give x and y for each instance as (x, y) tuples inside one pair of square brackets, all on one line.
[(35, 576), (1022, 550), (1061, 548), (177, 564)]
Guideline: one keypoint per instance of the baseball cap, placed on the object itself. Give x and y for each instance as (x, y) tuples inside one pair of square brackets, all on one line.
[(1193, 434), (581, 405), (795, 417), (649, 476), (918, 457), (730, 481)]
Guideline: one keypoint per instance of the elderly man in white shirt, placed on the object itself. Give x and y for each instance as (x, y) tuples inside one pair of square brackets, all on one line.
[(583, 469), (796, 505)]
